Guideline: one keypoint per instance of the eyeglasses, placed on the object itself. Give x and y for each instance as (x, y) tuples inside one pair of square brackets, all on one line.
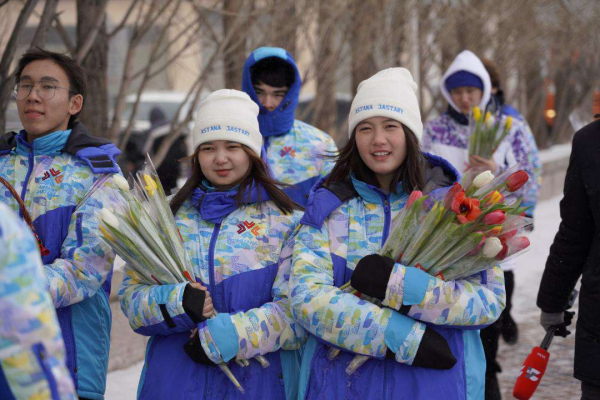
[(45, 90)]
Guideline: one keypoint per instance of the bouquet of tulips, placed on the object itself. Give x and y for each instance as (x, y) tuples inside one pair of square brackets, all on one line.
[(486, 133), (142, 231), (451, 235)]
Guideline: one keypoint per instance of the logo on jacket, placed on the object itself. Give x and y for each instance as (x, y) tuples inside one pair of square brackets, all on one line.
[(56, 174), (248, 226), (287, 151)]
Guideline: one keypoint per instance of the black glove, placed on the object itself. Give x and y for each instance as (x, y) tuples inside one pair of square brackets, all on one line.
[(559, 321), (433, 352), (193, 303), (372, 274), (196, 352)]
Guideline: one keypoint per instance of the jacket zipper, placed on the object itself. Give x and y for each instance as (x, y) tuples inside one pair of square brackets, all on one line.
[(30, 158), (40, 353), (211, 260), (387, 219)]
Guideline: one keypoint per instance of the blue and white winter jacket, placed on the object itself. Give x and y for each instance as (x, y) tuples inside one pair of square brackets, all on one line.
[(342, 224), (237, 254), (65, 178), (295, 150)]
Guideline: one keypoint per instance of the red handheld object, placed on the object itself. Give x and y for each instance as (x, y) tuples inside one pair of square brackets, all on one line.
[(531, 374)]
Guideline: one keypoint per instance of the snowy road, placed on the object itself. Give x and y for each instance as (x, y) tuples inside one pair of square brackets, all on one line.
[(558, 382)]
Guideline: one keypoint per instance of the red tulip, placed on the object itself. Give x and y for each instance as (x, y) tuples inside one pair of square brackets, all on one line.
[(516, 181), (518, 244), (502, 255), (466, 208), (416, 194), (509, 235), (495, 218), (451, 194)]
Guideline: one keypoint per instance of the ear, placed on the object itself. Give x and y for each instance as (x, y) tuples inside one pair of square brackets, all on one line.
[(76, 104)]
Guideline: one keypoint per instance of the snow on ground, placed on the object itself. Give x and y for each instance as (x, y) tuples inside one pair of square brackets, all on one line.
[(122, 384), (558, 382)]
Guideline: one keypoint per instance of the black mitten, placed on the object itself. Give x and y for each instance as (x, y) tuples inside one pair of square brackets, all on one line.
[(193, 303), (196, 352), (433, 352), (372, 274)]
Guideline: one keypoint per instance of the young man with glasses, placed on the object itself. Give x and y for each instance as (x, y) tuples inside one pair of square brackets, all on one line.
[(60, 175)]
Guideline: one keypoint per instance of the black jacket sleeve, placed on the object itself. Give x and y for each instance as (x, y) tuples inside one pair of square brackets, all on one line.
[(573, 241)]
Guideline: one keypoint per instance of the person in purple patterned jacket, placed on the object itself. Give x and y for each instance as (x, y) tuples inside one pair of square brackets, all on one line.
[(464, 85)]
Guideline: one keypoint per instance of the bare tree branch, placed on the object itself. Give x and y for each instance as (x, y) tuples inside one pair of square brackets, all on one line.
[(41, 33), (63, 35), (6, 79), (84, 47), (121, 25), (153, 52)]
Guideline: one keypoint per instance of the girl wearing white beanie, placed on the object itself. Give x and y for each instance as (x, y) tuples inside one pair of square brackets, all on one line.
[(347, 220), (234, 221)]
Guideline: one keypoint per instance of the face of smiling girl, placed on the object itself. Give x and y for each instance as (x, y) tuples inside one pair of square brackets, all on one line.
[(223, 163), (381, 143)]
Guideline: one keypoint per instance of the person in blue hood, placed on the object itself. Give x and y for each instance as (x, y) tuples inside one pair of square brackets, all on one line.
[(63, 176), (423, 339), (296, 152), (234, 220)]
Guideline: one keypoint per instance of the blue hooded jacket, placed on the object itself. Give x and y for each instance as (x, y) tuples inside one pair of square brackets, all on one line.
[(295, 150)]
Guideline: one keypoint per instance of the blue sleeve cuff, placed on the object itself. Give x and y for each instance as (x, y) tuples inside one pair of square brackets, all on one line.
[(225, 336), (416, 282), (398, 328)]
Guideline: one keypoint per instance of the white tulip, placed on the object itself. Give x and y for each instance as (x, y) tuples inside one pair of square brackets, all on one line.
[(492, 247), (121, 182), (490, 121), (483, 179), (108, 218)]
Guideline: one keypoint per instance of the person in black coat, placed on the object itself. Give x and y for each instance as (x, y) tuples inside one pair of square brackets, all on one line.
[(574, 253)]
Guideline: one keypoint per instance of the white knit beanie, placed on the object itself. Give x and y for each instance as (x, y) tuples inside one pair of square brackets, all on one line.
[(389, 93), (228, 114)]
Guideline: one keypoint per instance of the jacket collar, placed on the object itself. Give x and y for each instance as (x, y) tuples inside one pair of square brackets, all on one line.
[(98, 153), (49, 145), (215, 205)]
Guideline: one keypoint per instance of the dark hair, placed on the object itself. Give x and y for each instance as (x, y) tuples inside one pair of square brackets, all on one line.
[(258, 174), (272, 71), (74, 71), (493, 71), (411, 172)]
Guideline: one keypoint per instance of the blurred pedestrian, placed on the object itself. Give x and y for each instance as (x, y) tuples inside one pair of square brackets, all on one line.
[(32, 353), (575, 253)]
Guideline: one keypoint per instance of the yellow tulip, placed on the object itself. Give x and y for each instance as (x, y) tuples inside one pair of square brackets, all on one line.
[(508, 123), (476, 113), (488, 115), (151, 185)]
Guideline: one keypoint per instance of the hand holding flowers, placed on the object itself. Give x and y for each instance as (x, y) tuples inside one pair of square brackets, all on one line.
[(470, 229)]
